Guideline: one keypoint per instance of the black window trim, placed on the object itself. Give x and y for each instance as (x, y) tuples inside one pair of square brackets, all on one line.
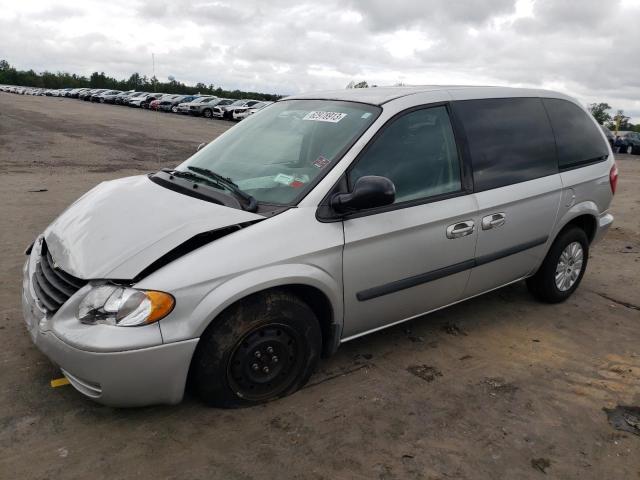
[(584, 163), (466, 181)]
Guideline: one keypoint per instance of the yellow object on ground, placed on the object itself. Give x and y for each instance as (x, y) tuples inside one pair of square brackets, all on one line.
[(59, 382)]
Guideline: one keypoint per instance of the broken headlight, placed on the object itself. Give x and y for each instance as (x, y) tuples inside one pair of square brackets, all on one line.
[(123, 306)]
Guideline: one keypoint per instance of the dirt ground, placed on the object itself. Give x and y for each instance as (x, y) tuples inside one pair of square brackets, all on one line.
[(497, 387)]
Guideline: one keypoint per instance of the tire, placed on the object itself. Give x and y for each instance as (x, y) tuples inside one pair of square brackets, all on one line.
[(174, 109), (207, 113), (544, 284), (263, 348), (629, 150), (102, 100)]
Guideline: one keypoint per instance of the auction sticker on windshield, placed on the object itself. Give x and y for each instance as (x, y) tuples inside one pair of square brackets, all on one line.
[(333, 117)]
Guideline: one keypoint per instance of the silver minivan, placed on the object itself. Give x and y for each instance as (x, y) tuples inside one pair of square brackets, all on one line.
[(319, 219)]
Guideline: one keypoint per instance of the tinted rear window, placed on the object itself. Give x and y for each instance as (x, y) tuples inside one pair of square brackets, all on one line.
[(510, 140), (578, 139)]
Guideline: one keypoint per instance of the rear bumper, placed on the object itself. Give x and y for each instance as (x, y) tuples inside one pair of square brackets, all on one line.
[(125, 377), (605, 220)]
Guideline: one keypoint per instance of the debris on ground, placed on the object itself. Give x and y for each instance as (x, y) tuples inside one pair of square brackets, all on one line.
[(425, 372), (541, 464), (624, 418), (499, 386), (453, 329)]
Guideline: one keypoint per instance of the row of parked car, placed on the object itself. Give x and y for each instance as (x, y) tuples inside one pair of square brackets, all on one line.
[(624, 142), (208, 106)]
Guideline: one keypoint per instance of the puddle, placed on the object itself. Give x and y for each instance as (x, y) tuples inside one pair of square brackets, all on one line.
[(623, 418)]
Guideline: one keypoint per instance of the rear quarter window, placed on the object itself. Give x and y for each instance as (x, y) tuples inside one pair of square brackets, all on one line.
[(510, 140), (578, 138)]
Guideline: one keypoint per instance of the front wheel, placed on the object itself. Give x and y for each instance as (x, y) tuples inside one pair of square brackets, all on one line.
[(263, 348), (563, 267), (629, 150)]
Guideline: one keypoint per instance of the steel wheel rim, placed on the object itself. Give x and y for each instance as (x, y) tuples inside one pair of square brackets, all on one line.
[(265, 362), (569, 266)]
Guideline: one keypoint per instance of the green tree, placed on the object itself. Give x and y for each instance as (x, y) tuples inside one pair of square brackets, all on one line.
[(600, 112), (621, 122)]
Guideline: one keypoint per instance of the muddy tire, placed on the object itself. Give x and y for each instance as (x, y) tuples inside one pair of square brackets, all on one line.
[(263, 348), (563, 268)]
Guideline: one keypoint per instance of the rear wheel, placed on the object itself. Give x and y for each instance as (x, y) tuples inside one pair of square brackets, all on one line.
[(174, 109), (263, 348), (207, 113), (563, 267), (629, 149)]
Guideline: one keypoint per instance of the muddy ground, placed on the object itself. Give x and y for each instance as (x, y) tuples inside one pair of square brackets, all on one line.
[(498, 387)]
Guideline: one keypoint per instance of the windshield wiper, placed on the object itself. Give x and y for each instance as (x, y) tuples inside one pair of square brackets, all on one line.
[(192, 176), (252, 204)]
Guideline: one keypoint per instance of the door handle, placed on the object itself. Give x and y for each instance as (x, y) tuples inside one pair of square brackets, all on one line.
[(494, 220), (461, 229)]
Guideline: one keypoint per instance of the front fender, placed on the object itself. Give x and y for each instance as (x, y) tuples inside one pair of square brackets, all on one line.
[(235, 288)]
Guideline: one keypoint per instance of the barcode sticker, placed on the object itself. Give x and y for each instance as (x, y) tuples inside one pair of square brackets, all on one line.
[(333, 117)]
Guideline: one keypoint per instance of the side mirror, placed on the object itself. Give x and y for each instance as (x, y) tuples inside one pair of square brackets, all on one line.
[(201, 146), (369, 192)]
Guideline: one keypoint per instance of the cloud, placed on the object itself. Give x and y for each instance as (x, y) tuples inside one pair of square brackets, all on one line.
[(586, 49)]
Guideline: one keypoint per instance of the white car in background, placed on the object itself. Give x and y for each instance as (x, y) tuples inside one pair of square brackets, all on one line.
[(226, 111), (243, 112)]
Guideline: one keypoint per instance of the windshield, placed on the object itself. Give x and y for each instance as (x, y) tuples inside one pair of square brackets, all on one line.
[(276, 154)]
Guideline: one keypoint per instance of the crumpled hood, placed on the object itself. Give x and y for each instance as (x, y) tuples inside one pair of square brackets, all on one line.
[(122, 226)]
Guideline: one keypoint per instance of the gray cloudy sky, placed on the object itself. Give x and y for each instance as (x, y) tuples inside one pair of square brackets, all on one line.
[(587, 48)]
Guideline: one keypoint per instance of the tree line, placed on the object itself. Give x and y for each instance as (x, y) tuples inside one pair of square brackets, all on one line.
[(618, 122), (30, 78)]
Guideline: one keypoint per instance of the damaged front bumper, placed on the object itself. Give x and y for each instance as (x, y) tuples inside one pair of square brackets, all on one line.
[(115, 366)]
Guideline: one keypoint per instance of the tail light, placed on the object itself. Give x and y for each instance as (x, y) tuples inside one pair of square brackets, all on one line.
[(613, 178)]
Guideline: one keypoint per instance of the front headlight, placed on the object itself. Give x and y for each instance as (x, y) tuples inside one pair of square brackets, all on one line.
[(123, 306)]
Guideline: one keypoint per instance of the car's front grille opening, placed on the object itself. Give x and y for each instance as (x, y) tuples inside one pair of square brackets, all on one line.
[(53, 286)]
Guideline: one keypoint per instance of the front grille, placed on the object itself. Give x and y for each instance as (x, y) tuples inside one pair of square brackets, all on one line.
[(53, 286)]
